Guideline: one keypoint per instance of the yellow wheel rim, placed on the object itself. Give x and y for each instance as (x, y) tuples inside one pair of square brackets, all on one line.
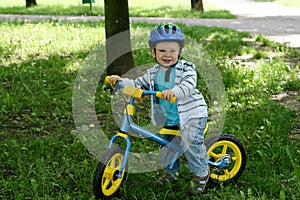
[(110, 183), (225, 147)]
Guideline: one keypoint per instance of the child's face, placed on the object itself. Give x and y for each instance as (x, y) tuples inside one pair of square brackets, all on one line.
[(166, 53)]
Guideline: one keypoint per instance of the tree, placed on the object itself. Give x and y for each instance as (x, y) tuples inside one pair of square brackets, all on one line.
[(198, 5), (117, 37), (30, 3)]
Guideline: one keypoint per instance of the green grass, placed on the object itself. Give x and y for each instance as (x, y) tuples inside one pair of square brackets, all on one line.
[(292, 3), (42, 158), (166, 8)]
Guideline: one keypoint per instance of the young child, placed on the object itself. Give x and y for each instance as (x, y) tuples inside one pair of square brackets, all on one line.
[(175, 77)]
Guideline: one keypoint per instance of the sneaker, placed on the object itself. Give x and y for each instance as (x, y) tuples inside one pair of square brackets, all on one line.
[(198, 184), (167, 179)]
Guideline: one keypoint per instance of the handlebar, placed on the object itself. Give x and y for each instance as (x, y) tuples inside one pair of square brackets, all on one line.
[(136, 92)]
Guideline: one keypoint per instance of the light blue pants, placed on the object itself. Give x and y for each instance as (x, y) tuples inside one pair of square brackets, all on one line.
[(192, 142)]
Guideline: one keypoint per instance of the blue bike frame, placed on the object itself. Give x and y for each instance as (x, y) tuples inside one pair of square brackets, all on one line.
[(127, 124)]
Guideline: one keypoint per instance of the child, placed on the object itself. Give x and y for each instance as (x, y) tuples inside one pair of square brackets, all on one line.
[(174, 77)]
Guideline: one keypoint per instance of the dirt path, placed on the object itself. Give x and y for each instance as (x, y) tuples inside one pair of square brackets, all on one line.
[(281, 23)]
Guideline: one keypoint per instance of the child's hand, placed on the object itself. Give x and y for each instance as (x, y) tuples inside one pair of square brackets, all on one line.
[(114, 78), (168, 94)]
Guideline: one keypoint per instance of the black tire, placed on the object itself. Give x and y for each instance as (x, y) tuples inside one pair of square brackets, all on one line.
[(222, 146), (106, 184)]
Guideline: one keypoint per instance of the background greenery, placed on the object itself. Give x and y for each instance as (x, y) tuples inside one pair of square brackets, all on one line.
[(42, 157), (168, 8), (293, 3)]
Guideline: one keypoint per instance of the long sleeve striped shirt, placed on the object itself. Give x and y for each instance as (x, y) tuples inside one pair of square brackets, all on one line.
[(190, 101)]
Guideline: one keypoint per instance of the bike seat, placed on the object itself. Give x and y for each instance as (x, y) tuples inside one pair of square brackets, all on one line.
[(170, 130)]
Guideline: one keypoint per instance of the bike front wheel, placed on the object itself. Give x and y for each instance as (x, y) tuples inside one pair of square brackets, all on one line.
[(228, 147), (106, 182)]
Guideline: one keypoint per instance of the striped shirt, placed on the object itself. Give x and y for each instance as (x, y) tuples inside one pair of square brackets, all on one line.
[(190, 101)]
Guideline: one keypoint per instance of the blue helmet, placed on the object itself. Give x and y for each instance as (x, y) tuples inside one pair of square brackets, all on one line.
[(164, 33)]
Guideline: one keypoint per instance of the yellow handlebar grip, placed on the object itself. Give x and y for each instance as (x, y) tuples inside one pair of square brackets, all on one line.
[(107, 81), (173, 100), (159, 95)]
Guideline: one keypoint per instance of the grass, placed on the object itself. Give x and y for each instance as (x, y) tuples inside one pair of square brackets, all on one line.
[(166, 8), (42, 157), (292, 3)]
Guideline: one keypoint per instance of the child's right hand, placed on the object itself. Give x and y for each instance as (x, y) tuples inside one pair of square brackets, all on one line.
[(168, 94), (114, 78)]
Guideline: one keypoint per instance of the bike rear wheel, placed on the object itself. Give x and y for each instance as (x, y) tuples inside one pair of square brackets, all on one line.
[(226, 146), (106, 182)]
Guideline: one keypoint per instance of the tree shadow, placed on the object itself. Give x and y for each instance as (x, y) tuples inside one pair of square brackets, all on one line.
[(37, 94)]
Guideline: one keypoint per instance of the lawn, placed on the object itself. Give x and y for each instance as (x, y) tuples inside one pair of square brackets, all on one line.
[(43, 154), (292, 3), (168, 8), (43, 157)]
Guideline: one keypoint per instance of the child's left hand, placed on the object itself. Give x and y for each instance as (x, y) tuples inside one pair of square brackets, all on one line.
[(168, 94)]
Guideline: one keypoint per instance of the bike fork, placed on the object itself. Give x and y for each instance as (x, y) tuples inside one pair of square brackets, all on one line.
[(127, 150)]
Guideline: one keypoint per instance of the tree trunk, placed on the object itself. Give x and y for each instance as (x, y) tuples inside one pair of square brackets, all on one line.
[(30, 3), (197, 5), (118, 45)]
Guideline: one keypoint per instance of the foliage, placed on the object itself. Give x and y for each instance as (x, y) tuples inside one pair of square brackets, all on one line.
[(137, 8), (42, 158)]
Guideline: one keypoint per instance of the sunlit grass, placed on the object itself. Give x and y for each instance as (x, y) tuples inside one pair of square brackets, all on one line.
[(292, 3), (42, 158), (137, 8)]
